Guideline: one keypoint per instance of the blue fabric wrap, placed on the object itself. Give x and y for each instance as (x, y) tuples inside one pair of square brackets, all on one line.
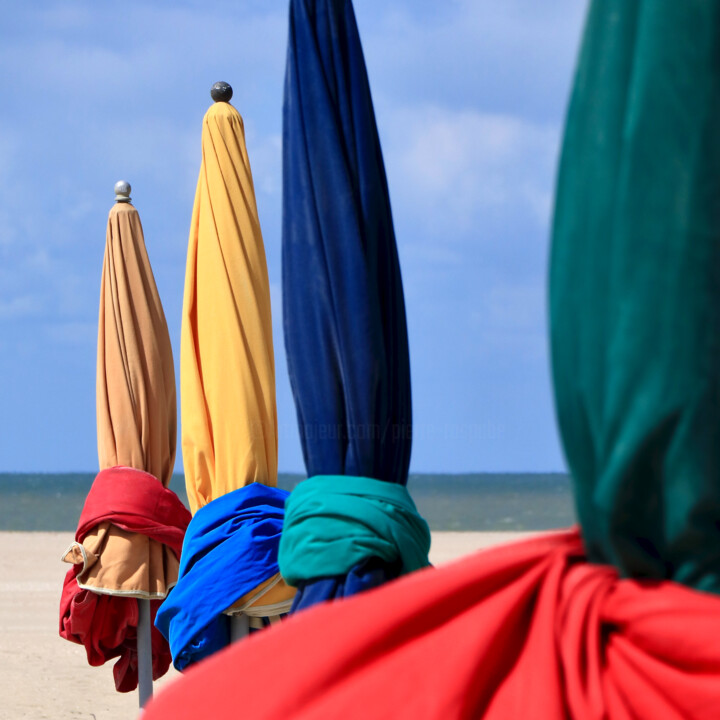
[(364, 576), (230, 547), (343, 307)]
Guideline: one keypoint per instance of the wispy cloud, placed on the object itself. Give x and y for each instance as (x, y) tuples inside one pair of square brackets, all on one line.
[(21, 306), (469, 96), (453, 167), (510, 320), (73, 333), (502, 57)]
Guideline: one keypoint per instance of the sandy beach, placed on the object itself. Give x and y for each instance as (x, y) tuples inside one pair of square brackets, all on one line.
[(44, 676)]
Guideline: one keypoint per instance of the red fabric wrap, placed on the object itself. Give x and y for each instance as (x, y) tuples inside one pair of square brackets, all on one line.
[(107, 624), (528, 630)]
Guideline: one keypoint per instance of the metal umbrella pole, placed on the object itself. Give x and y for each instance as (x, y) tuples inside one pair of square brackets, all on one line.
[(239, 627), (144, 651)]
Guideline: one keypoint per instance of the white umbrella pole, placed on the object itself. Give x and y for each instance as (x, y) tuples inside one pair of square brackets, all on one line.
[(144, 650), (239, 627)]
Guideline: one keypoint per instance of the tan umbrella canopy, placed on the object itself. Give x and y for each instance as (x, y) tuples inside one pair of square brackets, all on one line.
[(136, 400), (136, 405)]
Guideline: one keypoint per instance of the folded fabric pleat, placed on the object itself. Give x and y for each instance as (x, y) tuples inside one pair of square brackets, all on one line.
[(527, 630), (334, 523), (128, 513), (135, 393), (635, 289), (343, 305), (227, 366), (230, 551)]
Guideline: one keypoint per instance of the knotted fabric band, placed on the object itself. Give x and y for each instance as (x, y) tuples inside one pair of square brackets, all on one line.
[(104, 619), (334, 522), (230, 548), (527, 630)]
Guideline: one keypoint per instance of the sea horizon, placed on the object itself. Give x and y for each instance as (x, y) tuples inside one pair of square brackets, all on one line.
[(481, 501)]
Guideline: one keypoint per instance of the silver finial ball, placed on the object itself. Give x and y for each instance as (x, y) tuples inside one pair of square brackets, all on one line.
[(122, 191), (221, 92)]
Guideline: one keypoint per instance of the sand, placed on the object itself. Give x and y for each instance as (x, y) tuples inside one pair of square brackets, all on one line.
[(44, 676)]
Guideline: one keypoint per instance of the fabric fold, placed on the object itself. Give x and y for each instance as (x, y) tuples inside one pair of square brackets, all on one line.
[(229, 555), (344, 317), (523, 630), (229, 416), (343, 303), (335, 523), (227, 366), (635, 289), (131, 528), (135, 386)]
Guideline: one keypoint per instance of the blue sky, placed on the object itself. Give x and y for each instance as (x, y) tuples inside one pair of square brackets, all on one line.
[(470, 97)]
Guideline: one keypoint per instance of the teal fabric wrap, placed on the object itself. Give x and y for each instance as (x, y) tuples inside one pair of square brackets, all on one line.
[(334, 522)]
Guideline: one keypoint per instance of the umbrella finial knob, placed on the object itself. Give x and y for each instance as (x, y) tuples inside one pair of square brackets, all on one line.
[(221, 92), (122, 191)]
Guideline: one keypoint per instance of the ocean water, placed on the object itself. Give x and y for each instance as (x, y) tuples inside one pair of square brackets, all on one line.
[(482, 501)]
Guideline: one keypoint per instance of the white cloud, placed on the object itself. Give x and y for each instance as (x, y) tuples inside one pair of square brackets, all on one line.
[(8, 232), (451, 167), (276, 303), (509, 320), (515, 307), (99, 48), (265, 152), (36, 282), (508, 56), (73, 333), (21, 306)]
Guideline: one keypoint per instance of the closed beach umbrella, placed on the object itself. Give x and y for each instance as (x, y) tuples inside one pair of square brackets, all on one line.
[(615, 620), (131, 528), (635, 290), (351, 525), (229, 417), (227, 366)]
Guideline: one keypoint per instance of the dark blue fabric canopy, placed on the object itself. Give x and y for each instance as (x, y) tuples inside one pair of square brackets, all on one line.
[(344, 312)]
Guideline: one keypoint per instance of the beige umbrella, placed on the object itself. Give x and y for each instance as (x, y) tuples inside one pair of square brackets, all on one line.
[(131, 548), (136, 401)]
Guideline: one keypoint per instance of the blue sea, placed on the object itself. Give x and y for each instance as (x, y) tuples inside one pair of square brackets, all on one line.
[(482, 501)]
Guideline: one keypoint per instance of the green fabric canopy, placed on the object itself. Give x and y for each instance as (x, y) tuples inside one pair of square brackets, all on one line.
[(635, 289)]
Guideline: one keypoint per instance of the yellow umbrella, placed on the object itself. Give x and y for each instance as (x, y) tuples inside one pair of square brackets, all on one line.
[(227, 367), (229, 417)]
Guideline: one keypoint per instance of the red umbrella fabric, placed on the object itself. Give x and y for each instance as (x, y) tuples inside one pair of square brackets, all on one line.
[(105, 624), (528, 630)]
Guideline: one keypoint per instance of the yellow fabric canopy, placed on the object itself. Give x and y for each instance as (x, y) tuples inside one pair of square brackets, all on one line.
[(227, 368), (136, 411)]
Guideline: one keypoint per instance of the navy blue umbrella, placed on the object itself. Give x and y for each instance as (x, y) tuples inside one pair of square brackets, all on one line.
[(344, 311)]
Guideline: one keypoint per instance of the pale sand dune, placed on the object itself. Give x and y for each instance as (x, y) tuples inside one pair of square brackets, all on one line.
[(44, 676)]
